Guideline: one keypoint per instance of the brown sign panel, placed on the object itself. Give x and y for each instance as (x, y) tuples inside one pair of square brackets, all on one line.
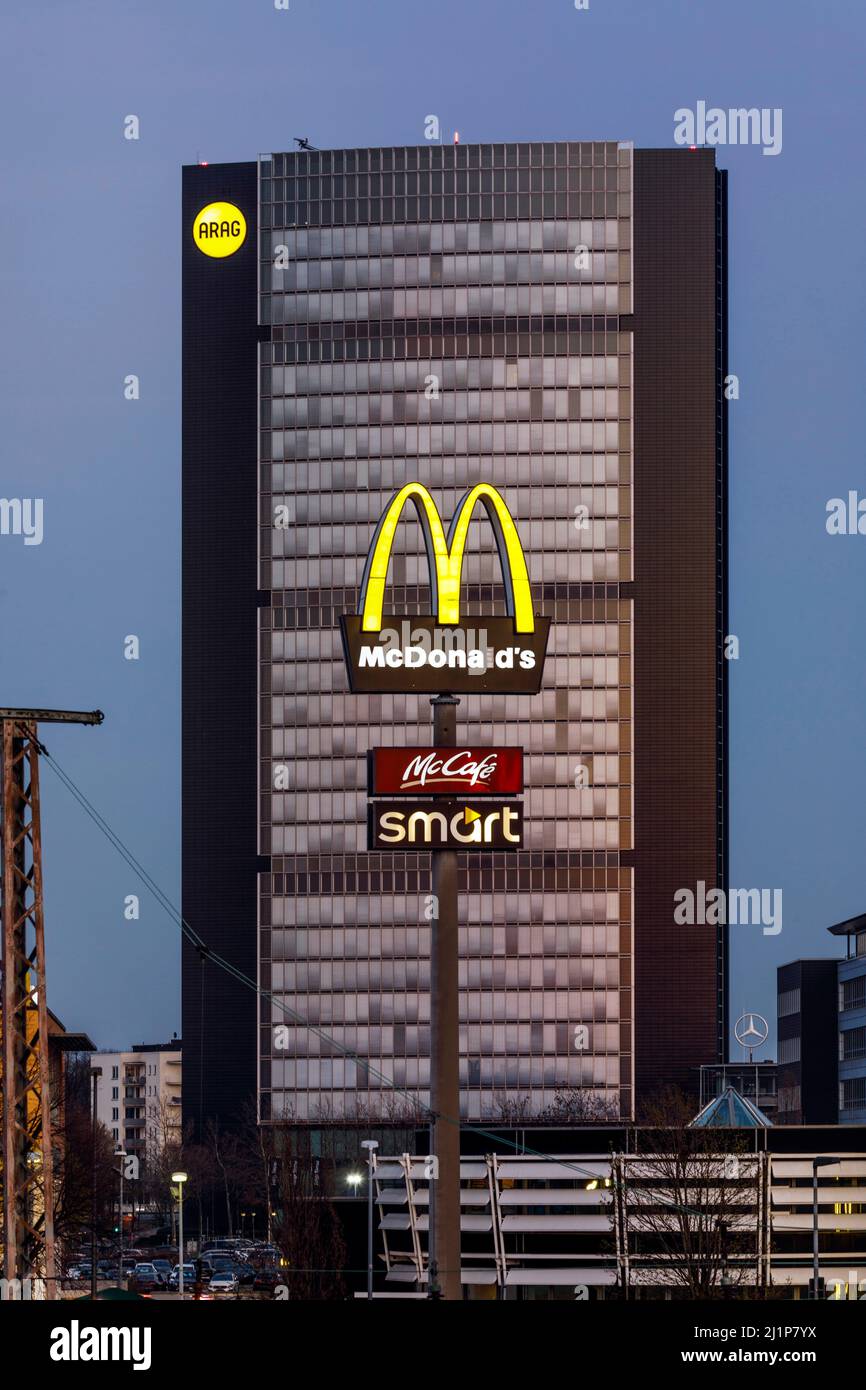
[(418, 656), (463, 824), (445, 771)]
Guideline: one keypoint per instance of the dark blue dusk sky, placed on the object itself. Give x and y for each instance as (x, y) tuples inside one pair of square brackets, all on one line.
[(91, 293)]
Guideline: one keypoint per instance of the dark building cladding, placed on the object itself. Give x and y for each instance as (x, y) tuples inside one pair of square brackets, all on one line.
[(680, 595), (218, 679), (672, 979), (808, 1041)]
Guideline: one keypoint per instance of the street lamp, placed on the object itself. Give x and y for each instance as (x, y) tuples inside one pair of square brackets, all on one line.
[(354, 1180), (120, 1153), (180, 1179), (371, 1145), (95, 1074), (816, 1164)]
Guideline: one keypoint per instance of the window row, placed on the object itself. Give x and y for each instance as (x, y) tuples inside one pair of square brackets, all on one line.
[(486, 1105), (852, 1045), (537, 834), (447, 180), (535, 925), (565, 534), (575, 403), (534, 501), (320, 805), (302, 738), (597, 234), (574, 1007), (455, 302), (467, 372), (386, 475), (422, 272), (431, 155), (562, 672), (852, 993), (384, 975), (559, 436), (327, 1073)]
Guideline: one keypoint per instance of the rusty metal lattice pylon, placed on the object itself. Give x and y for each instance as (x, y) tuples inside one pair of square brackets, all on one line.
[(28, 1196), (28, 1174)]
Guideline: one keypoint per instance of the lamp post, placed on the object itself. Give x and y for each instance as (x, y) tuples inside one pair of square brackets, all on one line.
[(816, 1164), (180, 1179), (95, 1073), (371, 1145), (120, 1154)]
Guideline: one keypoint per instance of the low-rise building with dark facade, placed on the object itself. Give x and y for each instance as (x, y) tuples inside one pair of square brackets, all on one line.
[(807, 1043), (852, 1021)]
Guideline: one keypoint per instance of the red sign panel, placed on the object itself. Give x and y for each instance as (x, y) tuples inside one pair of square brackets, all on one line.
[(445, 771)]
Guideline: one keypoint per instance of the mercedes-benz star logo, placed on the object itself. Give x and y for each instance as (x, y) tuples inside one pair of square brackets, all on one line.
[(750, 1030)]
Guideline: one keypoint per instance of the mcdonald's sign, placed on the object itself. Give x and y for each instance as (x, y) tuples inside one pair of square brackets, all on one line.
[(396, 654)]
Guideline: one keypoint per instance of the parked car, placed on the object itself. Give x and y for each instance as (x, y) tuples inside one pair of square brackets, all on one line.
[(188, 1276), (267, 1278), (145, 1278), (224, 1284), (229, 1264), (163, 1269)]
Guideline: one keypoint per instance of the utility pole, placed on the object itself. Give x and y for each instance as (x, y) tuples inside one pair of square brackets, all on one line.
[(371, 1145), (95, 1073), (28, 1179), (444, 1273)]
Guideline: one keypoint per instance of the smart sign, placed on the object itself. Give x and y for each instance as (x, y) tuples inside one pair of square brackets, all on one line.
[(444, 653), (464, 824), (449, 771), (219, 229)]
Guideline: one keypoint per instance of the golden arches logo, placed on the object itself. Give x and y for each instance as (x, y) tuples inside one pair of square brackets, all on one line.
[(445, 556)]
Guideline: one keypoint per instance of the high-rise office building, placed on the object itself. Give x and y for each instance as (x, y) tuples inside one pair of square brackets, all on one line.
[(551, 319)]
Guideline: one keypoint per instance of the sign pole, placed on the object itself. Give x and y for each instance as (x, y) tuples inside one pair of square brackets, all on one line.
[(444, 1273)]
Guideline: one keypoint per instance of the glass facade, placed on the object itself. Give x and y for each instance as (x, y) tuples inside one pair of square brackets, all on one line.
[(451, 315)]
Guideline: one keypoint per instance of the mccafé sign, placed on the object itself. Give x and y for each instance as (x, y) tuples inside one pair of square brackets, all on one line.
[(444, 825), (445, 771), (444, 653)]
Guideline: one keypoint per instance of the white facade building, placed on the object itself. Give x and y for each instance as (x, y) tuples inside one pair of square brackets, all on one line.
[(138, 1096)]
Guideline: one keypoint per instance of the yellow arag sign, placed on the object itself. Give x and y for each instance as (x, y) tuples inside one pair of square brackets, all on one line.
[(220, 229), (445, 556)]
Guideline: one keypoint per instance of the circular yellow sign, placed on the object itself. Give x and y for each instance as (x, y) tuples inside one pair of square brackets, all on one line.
[(220, 229)]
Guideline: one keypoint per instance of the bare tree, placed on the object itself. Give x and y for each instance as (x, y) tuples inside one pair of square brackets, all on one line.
[(569, 1107), (687, 1207), (306, 1229), (224, 1149)]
